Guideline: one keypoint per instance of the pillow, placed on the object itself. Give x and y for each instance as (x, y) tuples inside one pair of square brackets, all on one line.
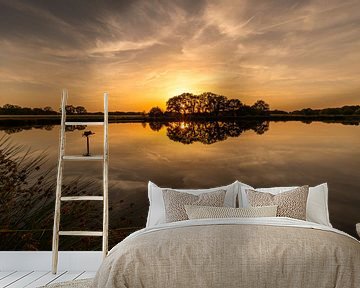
[(201, 212), (290, 203), (156, 214), (317, 204), (175, 201), (242, 187)]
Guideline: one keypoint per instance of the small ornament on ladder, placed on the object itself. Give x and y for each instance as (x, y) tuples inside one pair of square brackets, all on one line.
[(87, 134)]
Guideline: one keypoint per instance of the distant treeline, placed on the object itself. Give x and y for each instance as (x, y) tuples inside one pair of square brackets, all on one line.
[(345, 110), (9, 109), (205, 105)]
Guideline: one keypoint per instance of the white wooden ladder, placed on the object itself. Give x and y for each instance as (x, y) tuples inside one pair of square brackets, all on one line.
[(59, 198)]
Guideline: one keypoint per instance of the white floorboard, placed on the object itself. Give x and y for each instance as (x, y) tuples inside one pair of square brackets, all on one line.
[(48, 278), (28, 279), (35, 279), (30, 269), (12, 278), (5, 274)]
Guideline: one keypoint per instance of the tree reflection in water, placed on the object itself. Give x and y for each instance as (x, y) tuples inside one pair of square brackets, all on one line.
[(156, 126), (16, 129), (208, 132)]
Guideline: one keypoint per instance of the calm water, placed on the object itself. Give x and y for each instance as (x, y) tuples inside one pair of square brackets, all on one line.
[(262, 155)]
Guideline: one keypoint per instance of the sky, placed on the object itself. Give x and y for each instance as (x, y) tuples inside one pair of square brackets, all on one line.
[(292, 54)]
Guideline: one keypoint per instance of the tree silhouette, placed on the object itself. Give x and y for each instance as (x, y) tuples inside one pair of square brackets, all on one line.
[(80, 110), (9, 109), (209, 104), (261, 107), (234, 105), (156, 112), (70, 109)]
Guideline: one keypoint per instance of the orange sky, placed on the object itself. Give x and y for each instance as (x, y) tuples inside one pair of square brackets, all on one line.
[(292, 54)]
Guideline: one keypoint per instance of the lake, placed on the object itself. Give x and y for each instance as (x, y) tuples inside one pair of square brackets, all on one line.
[(185, 155)]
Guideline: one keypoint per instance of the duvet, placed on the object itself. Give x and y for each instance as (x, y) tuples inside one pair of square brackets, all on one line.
[(237, 252)]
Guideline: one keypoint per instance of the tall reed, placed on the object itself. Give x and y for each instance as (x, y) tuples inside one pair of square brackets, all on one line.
[(27, 199)]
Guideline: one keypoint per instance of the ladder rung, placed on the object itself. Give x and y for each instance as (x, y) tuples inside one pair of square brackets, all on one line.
[(81, 233), (82, 198), (83, 123), (86, 158)]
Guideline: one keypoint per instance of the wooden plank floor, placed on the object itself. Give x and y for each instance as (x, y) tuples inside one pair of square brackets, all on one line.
[(32, 279)]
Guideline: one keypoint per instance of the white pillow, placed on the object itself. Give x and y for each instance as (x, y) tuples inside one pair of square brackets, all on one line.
[(156, 214), (241, 188), (317, 209)]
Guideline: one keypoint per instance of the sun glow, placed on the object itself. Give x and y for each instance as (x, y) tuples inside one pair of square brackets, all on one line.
[(179, 90), (184, 125), (182, 82)]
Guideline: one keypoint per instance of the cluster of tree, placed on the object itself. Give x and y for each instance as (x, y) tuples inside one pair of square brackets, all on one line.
[(210, 105), (70, 109), (9, 109), (208, 132), (345, 110)]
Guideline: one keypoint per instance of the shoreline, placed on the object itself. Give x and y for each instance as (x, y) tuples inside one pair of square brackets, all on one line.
[(55, 119)]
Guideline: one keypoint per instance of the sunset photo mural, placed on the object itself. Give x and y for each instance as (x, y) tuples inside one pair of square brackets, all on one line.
[(201, 94)]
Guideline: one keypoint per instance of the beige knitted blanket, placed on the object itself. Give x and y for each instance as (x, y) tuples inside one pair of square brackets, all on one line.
[(233, 254)]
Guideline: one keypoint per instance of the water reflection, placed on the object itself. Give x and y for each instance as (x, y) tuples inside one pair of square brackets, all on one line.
[(181, 131), (286, 154), (16, 129), (210, 132)]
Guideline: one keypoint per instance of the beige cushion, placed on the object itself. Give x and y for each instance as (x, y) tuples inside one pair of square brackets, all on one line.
[(175, 201), (201, 212), (290, 204), (156, 213)]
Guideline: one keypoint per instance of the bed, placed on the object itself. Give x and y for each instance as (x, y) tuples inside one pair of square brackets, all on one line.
[(233, 252)]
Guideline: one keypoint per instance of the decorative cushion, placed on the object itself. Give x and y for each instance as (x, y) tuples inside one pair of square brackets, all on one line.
[(201, 212), (156, 214), (317, 210), (175, 202), (290, 204)]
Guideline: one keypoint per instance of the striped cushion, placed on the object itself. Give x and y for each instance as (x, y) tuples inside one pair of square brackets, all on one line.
[(201, 212)]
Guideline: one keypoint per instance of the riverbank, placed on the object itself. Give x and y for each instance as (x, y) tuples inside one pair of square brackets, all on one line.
[(55, 119)]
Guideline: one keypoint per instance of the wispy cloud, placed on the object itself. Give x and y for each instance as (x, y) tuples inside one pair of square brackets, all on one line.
[(289, 53)]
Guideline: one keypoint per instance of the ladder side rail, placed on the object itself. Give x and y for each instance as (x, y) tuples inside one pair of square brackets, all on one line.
[(105, 179), (55, 242)]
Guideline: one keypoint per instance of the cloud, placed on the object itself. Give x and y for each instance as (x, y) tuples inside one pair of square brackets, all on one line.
[(144, 51), (118, 46)]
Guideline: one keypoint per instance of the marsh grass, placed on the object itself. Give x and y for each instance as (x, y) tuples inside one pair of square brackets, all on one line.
[(27, 200)]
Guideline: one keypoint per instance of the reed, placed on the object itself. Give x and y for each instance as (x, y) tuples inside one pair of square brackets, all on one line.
[(27, 197)]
